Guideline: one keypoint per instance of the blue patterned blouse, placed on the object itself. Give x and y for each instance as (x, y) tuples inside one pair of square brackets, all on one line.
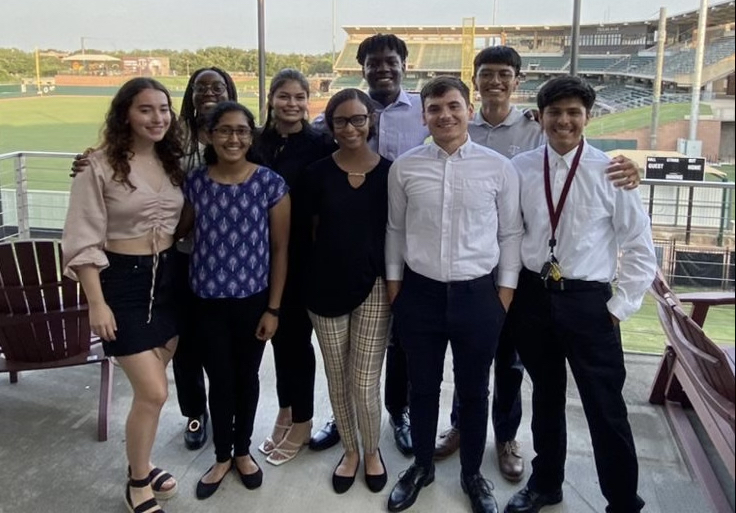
[(231, 253)]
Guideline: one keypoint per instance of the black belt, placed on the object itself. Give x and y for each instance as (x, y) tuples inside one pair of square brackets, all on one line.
[(562, 285)]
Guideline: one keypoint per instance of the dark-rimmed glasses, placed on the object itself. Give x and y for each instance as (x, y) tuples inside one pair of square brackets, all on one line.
[(225, 132), (357, 121), (215, 87)]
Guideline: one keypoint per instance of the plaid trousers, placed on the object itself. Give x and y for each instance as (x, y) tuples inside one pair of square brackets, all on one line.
[(353, 347)]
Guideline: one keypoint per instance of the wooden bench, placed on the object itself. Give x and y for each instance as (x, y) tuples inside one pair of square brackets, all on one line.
[(44, 322), (697, 373)]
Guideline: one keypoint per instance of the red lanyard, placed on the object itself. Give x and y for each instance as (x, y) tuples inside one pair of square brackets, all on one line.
[(554, 213)]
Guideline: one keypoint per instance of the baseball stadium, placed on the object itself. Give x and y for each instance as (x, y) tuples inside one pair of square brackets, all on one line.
[(665, 92)]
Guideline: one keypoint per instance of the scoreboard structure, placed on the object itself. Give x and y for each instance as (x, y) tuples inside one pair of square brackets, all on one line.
[(675, 168)]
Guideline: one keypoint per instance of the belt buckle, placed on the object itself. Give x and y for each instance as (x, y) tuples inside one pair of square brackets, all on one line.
[(551, 284)]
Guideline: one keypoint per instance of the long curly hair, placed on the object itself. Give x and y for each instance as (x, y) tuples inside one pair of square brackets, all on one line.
[(117, 137), (189, 114)]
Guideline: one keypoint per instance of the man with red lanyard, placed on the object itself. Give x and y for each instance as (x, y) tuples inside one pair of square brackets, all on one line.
[(581, 232)]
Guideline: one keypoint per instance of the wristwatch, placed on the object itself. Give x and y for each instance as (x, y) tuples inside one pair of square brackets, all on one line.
[(273, 311)]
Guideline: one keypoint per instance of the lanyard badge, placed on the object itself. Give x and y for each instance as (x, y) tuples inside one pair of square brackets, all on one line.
[(551, 269)]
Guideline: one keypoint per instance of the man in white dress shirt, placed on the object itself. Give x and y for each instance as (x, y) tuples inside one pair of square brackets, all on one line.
[(453, 217), (578, 230)]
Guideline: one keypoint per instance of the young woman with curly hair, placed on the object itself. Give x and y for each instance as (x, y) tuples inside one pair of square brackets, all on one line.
[(118, 242)]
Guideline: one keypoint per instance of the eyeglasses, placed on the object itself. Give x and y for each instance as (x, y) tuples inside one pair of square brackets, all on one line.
[(357, 121), (215, 87), (503, 75), (225, 132)]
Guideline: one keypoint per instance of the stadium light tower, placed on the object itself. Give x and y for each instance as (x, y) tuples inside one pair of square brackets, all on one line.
[(575, 39), (261, 62)]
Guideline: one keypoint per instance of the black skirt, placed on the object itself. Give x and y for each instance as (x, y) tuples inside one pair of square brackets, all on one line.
[(126, 286)]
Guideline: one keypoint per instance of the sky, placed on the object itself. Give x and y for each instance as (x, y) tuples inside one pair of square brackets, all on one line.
[(298, 26)]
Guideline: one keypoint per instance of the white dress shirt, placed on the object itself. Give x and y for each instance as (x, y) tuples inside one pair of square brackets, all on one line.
[(598, 222), (453, 217)]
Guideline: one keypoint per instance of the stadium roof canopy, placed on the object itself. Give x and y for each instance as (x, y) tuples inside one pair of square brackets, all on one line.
[(90, 57), (718, 14)]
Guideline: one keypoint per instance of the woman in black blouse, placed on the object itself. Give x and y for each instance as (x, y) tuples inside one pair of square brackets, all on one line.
[(287, 144), (346, 293)]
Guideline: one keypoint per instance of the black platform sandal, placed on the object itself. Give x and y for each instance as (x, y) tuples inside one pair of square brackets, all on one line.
[(157, 477), (149, 506)]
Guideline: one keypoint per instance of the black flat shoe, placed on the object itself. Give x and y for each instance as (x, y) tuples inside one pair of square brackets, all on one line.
[(376, 482), (342, 484), (410, 483), (206, 490), (195, 436), (251, 481), (326, 437)]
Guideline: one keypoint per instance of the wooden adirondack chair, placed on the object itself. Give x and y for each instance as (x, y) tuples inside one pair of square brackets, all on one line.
[(44, 322), (695, 372)]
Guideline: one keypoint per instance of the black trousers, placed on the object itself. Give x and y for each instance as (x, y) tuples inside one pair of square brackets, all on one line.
[(188, 358), (396, 388), (294, 360), (506, 405), (550, 328), (427, 314), (232, 356)]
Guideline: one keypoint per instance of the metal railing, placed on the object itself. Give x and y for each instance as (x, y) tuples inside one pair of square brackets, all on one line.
[(693, 225)]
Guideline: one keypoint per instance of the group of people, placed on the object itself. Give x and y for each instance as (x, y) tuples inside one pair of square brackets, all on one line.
[(202, 238)]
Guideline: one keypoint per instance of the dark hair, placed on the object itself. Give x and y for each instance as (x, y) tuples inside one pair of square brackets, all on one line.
[(189, 112), (222, 108), (278, 81), (379, 42), (498, 55), (564, 87), (440, 85), (347, 95), (117, 137)]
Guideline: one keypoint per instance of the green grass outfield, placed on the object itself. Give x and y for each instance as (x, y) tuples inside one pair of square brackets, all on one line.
[(635, 119), (70, 124)]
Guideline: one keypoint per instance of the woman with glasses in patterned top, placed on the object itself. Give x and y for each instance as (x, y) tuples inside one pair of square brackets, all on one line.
[(240, 212)]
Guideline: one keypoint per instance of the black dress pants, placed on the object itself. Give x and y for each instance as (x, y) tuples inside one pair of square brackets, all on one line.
[(427, 314), (232, 357), (396, 388), (188, 358), (506, 405), (294, 360), (574, 325)]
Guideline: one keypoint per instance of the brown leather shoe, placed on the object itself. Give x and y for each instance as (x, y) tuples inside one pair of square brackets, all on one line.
[(510, 462), (447, 443)]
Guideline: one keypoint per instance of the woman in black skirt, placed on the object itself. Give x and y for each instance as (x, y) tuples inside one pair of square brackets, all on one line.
[(118, 242)]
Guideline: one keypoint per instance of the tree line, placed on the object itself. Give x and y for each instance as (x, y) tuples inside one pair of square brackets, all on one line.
[(16, 64)]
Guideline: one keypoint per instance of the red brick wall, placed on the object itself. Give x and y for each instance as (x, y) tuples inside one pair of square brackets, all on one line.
[(89, 80), (709, 131)]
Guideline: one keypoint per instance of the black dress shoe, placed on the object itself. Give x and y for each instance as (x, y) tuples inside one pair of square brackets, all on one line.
[(251, 481), (325, 437), (529, 501), (402, 433), (195, 435), (342, 484), (376, 482), (206, 490), (480, 492), (410, 483)]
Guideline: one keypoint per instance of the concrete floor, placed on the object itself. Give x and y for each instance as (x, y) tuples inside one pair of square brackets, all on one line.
[(50, 459)]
